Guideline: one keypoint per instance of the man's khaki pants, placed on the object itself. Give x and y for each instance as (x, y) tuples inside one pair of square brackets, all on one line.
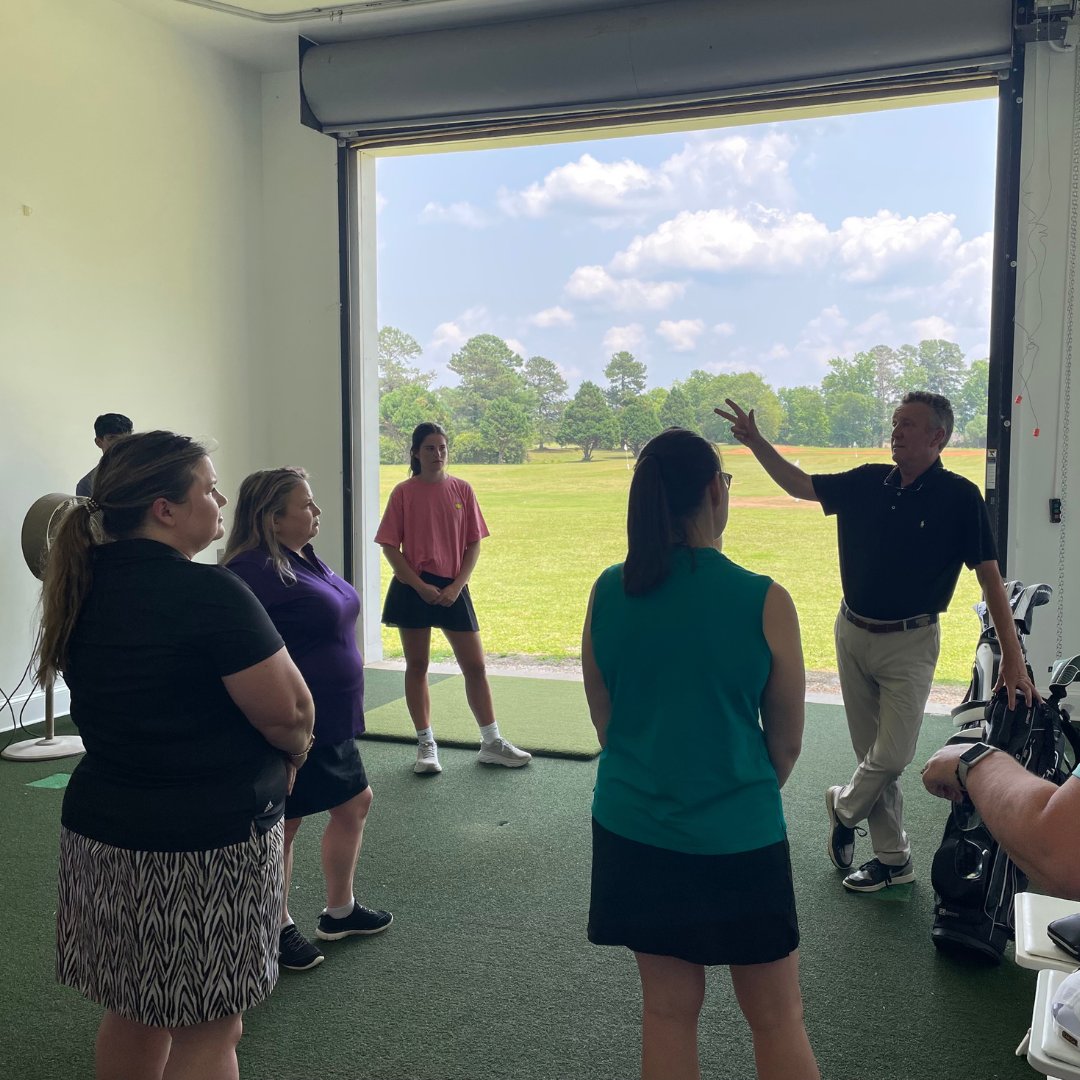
[(885, 680)]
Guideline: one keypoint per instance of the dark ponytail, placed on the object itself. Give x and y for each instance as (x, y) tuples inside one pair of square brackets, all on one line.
[(670, 478)]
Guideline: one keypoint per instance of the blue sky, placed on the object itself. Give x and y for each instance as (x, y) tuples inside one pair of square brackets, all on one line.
[(766, 248)]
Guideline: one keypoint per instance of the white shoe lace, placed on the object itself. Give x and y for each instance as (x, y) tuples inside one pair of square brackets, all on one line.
[(426, 751), (503, 748)]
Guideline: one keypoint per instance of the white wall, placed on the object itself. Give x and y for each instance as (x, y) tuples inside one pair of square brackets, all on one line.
[(1036, 550), (299, 360), (133, 282)]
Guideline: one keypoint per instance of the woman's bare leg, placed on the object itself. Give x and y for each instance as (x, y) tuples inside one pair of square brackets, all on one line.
[(128, 1050), (672, 991), (205, 1051), (771, 1001), (416, 645), (469, 654), (292, 825), (341, 847)]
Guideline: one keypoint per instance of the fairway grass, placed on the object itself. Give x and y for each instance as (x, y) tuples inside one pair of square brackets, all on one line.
[(557, 521)]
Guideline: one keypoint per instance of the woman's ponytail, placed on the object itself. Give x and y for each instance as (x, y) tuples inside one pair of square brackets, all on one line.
[(670, 477)]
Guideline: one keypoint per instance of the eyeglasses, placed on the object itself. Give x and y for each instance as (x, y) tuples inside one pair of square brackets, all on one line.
[(727, 479)]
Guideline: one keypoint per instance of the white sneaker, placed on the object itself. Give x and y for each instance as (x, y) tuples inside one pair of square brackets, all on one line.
[(427, 758), (502, 752)]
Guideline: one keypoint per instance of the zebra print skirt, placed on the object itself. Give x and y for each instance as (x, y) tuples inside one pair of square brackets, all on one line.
[(172, 938)]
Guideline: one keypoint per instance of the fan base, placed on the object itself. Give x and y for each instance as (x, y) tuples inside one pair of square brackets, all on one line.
[(59, 746)]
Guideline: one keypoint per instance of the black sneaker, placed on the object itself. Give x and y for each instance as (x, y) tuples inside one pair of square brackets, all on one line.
[(361, 920), (875, 875), (841, 837), (295, 952)]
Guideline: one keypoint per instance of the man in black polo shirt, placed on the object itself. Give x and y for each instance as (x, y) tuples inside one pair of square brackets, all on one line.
[(903, 531)]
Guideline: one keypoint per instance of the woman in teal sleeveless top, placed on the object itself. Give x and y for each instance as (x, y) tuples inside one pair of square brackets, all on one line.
[(694, 675)]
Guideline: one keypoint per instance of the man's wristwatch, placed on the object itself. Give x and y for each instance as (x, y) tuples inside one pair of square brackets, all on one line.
[(970, 757)]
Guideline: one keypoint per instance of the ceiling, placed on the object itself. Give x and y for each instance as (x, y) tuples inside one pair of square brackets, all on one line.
[(271, 45)]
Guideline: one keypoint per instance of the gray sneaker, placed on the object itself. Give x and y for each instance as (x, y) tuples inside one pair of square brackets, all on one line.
[(503, 752), (427, 758)]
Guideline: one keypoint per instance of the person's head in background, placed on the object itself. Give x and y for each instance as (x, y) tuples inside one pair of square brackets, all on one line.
[(109, 427), (275, 510), (678, 498)]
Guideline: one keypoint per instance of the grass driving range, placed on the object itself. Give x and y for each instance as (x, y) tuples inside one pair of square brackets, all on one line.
[(557, 521)]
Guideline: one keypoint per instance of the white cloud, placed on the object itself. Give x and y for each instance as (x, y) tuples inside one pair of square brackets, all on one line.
[(963, 298), (517, 346), (552, 316), (591, 183), (933, 326), (723, 329), (447, 337), (825, 336), (716, 169), (451, 335), (953, 301), (729, 239), (870, 246), (595, 285), (681, 334), (725, 168), (381, 202), (878, 326), (779, 351), (624, 338), (459, 213), (864, 249)]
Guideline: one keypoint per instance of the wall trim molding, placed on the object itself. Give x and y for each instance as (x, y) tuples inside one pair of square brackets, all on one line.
[(32, 706)]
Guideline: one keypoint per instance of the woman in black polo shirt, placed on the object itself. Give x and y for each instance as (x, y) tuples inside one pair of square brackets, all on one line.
[(194, 719)]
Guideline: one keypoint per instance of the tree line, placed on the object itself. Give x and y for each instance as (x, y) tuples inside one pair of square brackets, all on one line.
[(504, 404)]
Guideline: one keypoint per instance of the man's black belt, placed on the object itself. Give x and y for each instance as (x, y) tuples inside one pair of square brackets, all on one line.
[(887, 627)]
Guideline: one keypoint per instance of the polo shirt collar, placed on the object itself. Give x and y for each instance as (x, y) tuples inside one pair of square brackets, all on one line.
[(137, 549), (893, 479)]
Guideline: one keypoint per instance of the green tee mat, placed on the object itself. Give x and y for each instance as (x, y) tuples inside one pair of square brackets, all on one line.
[(57, 780), (544, 716)]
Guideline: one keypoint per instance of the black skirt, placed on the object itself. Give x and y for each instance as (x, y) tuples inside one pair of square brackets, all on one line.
[(705, 909), (332, 775), (405, 608)]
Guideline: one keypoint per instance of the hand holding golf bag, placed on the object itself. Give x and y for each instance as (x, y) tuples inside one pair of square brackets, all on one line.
[(974, 881)]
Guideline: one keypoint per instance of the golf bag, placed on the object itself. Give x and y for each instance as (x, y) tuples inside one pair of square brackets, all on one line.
[(974, 880)]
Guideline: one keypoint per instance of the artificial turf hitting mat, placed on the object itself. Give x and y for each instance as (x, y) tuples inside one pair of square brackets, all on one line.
[(544, 716)]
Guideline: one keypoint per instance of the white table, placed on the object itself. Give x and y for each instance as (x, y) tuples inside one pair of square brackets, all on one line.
[(1047, 1051), (1033, 948)]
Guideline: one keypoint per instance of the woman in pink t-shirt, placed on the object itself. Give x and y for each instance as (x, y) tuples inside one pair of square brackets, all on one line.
[(430, 534)]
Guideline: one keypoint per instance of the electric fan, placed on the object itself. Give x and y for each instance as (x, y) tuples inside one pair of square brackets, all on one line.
[(38, 531)]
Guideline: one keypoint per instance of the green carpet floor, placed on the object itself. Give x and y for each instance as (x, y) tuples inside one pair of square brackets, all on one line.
[(486, 973), (545, 716)]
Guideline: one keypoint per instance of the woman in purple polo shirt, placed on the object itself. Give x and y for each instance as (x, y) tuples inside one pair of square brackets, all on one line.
[(315, 612)]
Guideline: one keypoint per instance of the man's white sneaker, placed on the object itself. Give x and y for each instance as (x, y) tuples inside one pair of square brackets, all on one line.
[(427, 758), (501, 752)]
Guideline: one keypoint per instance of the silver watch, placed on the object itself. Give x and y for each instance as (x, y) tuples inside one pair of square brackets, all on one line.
[(969, 758)]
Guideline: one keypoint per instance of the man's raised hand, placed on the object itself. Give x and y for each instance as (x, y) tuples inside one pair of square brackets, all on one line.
[(743, 425)]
